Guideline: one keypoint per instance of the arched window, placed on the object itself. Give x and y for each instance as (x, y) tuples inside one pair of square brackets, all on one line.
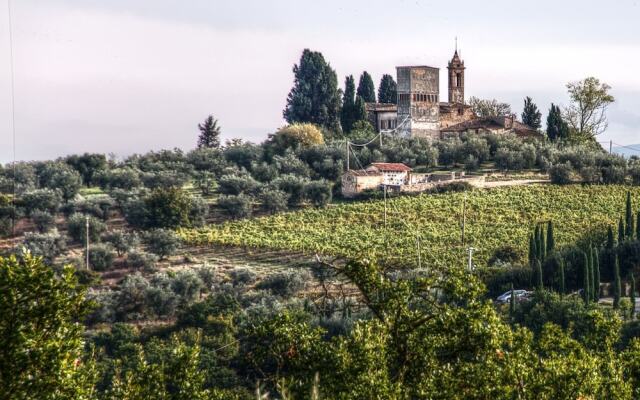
[(459, 79)]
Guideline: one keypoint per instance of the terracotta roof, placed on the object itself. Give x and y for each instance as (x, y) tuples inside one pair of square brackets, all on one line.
[(416, 66), (394, 167), (362, 172), (380, 107), (477, 123)]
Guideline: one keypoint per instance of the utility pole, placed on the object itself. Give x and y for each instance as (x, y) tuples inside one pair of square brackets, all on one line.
[(87, 238), (470, 263), (610, 146)]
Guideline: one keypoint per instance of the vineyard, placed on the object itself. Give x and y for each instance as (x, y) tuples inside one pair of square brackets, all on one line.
[(429, 225)]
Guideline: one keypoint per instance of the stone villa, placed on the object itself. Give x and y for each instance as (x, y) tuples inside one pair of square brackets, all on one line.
[(420, 113)]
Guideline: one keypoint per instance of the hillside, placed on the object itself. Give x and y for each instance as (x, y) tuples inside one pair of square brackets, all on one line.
[(495, 218)]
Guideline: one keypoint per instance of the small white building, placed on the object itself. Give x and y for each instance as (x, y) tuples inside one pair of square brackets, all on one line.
[(395, 174)]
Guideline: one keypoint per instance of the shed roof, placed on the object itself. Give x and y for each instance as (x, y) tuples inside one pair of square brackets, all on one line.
[(391, 167)]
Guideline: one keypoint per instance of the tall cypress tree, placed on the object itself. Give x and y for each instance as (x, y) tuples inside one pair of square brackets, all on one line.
[(633, 296), (629, 228), (531, 115), (533, 252), (617, 286), (610, 240), (551, 242), (366, 90), (315, 96), (557, 128), (562, 284), (596, 273), (586, 287), (387, 91), (348, 104), (592, 274), (541, 245), (539, 284), (620, 231), (359, 110), (638, 226)]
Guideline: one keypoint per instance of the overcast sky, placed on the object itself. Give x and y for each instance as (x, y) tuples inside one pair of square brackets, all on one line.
[(128, 76)]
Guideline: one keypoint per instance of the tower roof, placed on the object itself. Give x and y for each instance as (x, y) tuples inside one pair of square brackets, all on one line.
[(456, 61)]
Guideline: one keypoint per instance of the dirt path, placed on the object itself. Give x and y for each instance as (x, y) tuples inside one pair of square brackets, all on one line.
[(516, 182)]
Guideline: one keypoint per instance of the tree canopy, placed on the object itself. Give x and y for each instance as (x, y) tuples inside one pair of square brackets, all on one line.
[(366, 90), (209, 133), (315, 96), (586, 115), (489, 108), (387, 91), (531, 115)]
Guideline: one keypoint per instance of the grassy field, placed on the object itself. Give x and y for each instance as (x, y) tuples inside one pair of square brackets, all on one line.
[(494, 218)]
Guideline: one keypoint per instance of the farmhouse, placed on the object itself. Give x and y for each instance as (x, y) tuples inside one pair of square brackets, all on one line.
[(396, 177)]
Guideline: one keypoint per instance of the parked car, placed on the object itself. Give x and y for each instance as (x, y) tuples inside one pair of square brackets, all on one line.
[(520, 294)]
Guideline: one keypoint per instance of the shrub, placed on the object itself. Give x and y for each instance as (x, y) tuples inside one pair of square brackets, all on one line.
[(46, 245), (172, 208), (242, 276), (121, 241), (141, 260), (161, 242), (43, 220), (613, 174), (284, 284), (98, 206), (294, 136), (77, 228), (48, 200), (101, 257), (120, 178), (293, 186), (318, 193), (236, 206), (164, 179), (237, 184), (187, 284), (561, 173), (274, 200), (88, 165), (60, 176)]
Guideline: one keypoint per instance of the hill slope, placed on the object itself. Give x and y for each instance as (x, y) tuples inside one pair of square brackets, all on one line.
[(495, 218)]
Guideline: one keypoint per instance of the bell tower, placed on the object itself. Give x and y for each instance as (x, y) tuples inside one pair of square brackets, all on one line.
[(456, 79)]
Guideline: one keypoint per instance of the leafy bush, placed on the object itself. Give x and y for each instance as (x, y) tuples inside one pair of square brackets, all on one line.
[(98, 206), (46, 245), (236, 206), (101, 257), (121, 241), (166, 208), (293, 186), (242, 276), (161, 242), (164, 179), (187, 284), (284, 284), (274, 200), (77, 228), (60, 176), (120, 178), (48, 200), (561, 173), (141, 260), (318, 192), (237, 184), (43, 220)]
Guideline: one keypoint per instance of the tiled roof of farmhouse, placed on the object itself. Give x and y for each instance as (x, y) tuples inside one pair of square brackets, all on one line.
[(393, 167), (380, 107), (362, 172)]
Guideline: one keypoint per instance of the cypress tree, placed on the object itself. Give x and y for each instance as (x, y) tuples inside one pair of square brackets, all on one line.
[(512, 301), (610, 240), (366, 90), (531, 116), (348, 104), (209, 133), (592, 274), (540, 243), (562, 277), (633, 296), (629, 228), (586, 287), (620, 231), (359, 110), (596, 277), (387, 91), (617, 286), (539, 284), (315, 96), (551, 242), (557, 128), (638, 226), (532, 251)]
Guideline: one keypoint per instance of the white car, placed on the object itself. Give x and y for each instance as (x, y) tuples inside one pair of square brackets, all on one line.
[(506, 296)]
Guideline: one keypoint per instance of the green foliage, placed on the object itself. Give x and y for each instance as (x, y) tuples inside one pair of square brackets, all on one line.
[(561, 174), (366, 90), (586, 115), (119, 178), (46, 245), (166, 208), (284, 284), (48, 200), (347, 115), (531, 115), (632, 295), (274, 201), (237, 184), (121, 241), (161, 242), (236, 206), (141, 260), (318, 193), (59, 176), (101, 257), (489, 108), (387, 91), (617, 286), (77, 228), (88, 166), (315, 97), (209, 133), (43, 221), (295, 136), (557, 128), (40, 337)]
